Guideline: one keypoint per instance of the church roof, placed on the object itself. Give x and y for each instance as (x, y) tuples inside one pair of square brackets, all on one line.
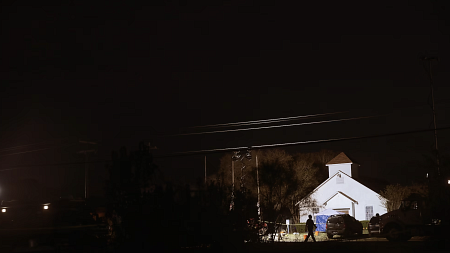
[(345, 195), (341, 158)]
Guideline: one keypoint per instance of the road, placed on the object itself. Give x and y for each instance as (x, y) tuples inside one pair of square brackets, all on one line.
[(418, 244), (65, 242)]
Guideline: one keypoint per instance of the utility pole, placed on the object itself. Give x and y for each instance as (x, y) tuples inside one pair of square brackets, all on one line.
[(257, 183), (205, 170), (437, 192), (239, 155), (86, 174), (430, 76), (232, 185)]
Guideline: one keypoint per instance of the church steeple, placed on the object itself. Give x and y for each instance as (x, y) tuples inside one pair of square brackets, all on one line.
[(343, 163), (341, 158)]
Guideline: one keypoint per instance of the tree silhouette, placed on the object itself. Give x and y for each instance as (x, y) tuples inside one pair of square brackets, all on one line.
[(129, 204), (392, 196), (278, 183), (308, 171)]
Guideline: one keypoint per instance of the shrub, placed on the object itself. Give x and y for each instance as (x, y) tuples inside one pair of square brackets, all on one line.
[(300, 228)]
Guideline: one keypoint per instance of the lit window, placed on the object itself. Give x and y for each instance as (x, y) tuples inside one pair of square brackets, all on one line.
[(45, 207), (3, 210)]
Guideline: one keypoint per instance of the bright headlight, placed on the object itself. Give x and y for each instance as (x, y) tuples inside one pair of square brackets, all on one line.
[(45, 207), (3, 210)]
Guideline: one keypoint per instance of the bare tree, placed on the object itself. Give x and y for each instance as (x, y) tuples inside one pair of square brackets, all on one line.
[(223, 177), (392, 196), (311, 171), (306, 171), (278, 183)]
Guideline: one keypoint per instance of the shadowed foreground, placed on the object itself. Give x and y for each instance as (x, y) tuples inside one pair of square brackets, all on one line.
[(332, 246), (76, 243), (419, 245)]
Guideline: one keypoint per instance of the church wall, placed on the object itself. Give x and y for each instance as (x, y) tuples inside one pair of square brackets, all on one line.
[(355, 190), (344, 167)]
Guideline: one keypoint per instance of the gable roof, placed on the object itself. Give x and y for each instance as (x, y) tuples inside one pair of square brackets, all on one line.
[(345, 195), (324, 182), (341, 158)]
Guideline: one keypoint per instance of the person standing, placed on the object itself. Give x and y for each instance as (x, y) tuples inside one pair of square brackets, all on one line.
[(310, 228)]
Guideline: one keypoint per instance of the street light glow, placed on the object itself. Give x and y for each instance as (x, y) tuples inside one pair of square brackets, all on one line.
[(45, 207), (3, 210)]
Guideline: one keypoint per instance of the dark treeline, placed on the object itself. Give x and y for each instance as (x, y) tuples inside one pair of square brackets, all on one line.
[(145, 211)]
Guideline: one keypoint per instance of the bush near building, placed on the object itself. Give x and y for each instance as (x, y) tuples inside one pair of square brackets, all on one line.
[(300, 228)]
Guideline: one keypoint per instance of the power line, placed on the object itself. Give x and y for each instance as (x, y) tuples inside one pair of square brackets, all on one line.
[(266, 121), (198, 152), (34, 144), (278, 126), (36, 150), (269, 121), (51, 164)]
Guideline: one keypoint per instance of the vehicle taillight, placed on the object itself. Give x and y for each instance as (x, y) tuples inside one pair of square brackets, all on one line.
[(326, 226)]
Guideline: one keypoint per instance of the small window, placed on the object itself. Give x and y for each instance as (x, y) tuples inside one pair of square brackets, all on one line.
[(315, 210), (369, 212), (339, 179)]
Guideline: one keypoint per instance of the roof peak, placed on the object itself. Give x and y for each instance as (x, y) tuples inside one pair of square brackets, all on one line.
[(341, 158)]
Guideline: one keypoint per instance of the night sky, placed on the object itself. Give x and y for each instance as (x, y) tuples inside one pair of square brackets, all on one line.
[(121, 74)]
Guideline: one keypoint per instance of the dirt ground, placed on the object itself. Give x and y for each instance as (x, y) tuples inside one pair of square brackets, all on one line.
[(320, 237), (300, 237)]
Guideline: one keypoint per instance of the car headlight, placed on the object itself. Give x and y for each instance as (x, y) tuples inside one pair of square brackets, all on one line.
[(3, 210), (45, 207)]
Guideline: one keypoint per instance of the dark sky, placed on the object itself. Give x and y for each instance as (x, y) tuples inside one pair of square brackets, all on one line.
[(119, 74)]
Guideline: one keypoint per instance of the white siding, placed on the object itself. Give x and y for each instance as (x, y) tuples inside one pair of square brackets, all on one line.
[(362, 195), (344, 167)]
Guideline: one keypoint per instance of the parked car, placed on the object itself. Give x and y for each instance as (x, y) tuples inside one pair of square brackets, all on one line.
[(343, 224), (374, 226)]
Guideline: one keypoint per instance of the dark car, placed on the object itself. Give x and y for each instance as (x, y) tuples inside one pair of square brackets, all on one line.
[(343, 224), (374, 226)]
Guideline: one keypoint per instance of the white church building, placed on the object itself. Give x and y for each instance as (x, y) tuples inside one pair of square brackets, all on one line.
[(342, 192)]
